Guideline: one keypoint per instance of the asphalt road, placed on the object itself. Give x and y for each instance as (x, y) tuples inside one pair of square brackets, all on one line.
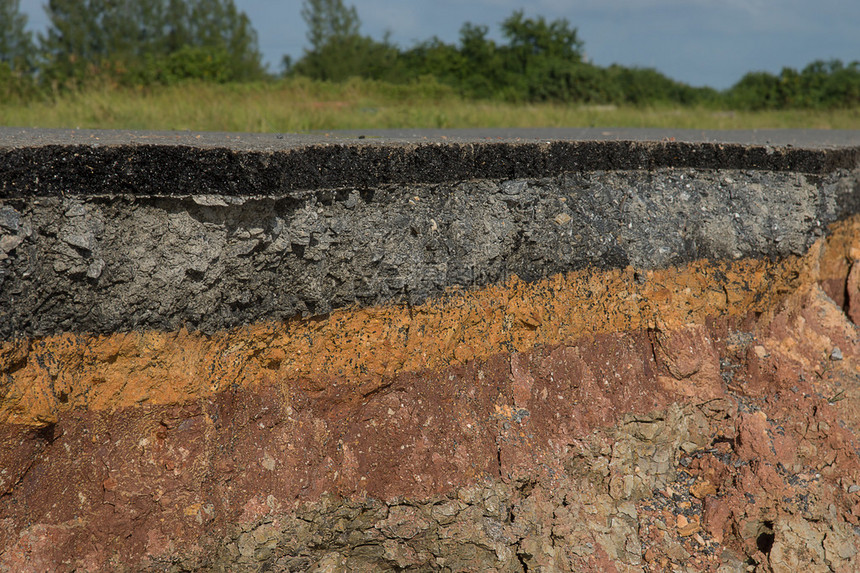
[(11, 137)]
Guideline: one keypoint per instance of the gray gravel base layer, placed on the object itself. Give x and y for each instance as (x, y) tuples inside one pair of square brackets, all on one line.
[(105, 263)]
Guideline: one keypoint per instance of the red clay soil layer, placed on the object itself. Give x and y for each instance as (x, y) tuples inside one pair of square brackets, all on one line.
[(652, 429)]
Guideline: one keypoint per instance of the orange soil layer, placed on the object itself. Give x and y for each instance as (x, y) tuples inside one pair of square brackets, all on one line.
[(40, 378)]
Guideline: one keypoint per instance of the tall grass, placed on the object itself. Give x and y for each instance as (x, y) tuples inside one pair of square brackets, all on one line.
[(296, 105)]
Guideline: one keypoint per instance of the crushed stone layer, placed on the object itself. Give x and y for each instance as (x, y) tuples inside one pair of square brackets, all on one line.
[(361, 349), (649, 428)]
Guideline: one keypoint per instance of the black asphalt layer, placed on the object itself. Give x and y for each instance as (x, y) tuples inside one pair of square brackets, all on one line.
[(80, 162)]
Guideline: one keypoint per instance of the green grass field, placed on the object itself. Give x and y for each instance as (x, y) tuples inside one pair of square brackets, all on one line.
[(302, 105)]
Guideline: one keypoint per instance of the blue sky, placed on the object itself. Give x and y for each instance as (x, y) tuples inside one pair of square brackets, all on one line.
[(701, 42)]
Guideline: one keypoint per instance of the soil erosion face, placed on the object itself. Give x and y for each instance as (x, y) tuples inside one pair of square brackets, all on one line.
[(699, 414)]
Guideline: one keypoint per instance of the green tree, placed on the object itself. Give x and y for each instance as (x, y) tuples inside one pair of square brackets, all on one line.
[(16, 42), (149, 40), (842, 87), (218, 25), (645, 86), (329, 21), (531, 39), (65, 44), (482, 72), (755, 91), (829, 84), (542, 57), (821, 84), (337, 48), (16, 53)]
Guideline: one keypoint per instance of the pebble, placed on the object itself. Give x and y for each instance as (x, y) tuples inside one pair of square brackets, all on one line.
[(94, 270), (9, 218), (513, 187), (836, 354), (9, 243)]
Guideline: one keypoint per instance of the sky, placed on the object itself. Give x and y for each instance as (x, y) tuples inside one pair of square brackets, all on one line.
[(699, 42)]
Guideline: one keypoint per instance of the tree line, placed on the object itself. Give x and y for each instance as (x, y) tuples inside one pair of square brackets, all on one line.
[(129, 42), (146, 42)]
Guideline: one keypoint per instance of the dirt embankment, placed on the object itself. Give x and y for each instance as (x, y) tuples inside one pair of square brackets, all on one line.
[(511, 356), (691, 418)]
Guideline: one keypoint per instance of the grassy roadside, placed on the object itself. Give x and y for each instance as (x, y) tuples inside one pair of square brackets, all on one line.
[(302, 105)]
